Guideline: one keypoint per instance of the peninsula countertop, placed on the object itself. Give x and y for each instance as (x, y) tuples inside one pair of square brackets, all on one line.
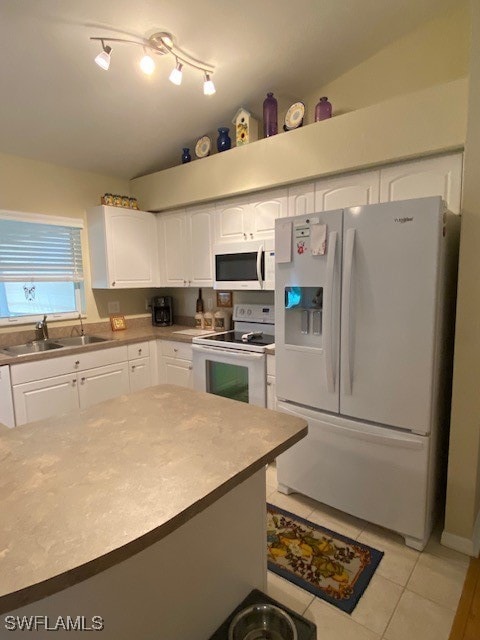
[(88, 489)]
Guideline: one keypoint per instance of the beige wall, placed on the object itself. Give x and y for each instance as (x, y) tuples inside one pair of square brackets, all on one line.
[(29, 185), (433, 54), (463, 493)]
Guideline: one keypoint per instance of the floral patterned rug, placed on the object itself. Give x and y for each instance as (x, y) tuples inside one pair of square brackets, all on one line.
[(327, 564)]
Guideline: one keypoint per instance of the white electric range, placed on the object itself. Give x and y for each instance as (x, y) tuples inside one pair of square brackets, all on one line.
[(233, 363)]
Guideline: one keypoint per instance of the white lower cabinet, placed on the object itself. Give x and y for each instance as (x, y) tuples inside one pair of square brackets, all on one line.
[(45, 398), (39, 393), (175, 363), (271, 394), (102, 383)]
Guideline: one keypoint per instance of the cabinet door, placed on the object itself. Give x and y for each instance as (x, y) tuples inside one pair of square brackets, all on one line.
[(177, 371), (422, 178), (263, 213), (45, 398), (174, 249), (102, 383), (232, 220), (199, 222), (140, 374), (301, 199), (131, 247), (347, 191)]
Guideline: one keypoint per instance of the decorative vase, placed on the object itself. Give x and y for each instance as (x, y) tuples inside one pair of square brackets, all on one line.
[(223, 141), (323, 109), (186, 157), (270, 116)]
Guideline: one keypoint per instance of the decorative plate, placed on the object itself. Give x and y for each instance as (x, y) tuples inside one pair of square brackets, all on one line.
[(202, 148), (294, 116)]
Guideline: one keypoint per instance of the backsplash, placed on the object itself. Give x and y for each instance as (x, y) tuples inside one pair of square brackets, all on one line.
[(184, 300)]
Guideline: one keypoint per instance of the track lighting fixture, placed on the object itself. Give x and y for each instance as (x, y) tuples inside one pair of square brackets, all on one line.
[(103, 58), (160, 43)]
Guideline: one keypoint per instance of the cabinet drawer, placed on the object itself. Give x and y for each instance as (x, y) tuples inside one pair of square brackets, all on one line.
[(181, 350), (29, 371), (138, 350)]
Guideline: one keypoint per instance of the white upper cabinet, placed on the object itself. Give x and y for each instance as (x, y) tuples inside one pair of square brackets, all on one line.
[(200, 233), (232, 220), (440, 176), (265, 209), (301, 199), (347, 191), (123, 248), (185, 240), (251, 218), (172, 236)]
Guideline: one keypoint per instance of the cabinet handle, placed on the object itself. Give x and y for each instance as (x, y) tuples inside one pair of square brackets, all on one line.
[(269, 384), (251, 236), (189, 282), (175, 350), (74, 382), (133, 367), (190, 367), (82, 380), (113, 283), (244, 236), (77, 362), (139, 352)]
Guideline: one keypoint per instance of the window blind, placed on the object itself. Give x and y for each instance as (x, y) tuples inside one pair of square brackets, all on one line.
[(32, 251)]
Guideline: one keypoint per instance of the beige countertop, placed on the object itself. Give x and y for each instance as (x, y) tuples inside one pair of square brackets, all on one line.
[(84, 491), (115, 338)]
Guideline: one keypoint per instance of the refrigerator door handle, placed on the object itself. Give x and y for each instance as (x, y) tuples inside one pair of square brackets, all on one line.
[(259, 266), (347, 369), (328, 309)]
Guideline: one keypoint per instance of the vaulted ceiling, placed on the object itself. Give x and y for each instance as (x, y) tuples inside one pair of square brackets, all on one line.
[(58, 106)]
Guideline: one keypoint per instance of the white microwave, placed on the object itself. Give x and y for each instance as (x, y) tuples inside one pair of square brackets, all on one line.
[(244, 265)]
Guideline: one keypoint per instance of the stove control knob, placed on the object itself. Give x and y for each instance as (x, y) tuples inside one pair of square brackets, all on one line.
[(241, 311), (249, 312)]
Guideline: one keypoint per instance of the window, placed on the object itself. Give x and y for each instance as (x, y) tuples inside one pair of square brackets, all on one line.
[(41, 269)]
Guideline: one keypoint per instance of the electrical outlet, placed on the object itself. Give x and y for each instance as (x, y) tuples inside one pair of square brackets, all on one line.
[(114, 307), (147, 304)]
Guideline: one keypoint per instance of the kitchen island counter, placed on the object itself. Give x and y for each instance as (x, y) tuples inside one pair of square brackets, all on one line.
[(88, 490)]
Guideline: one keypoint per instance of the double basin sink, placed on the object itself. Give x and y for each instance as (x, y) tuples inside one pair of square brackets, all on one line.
[(40, 346)]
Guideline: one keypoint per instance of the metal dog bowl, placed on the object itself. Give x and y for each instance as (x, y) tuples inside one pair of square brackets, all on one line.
[(262, 622)]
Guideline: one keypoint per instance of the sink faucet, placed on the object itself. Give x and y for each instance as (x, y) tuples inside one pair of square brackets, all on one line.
[(42, 329)]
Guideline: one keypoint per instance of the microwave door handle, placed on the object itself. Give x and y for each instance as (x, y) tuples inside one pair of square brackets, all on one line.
[(259, 266)]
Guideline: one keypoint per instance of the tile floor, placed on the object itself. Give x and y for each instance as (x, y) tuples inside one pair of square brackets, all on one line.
[(412, 596)]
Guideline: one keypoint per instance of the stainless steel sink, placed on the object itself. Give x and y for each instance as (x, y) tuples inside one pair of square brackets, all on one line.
[(79, 341), (37, 346)]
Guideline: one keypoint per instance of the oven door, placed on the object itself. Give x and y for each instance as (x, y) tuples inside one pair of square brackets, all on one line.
[(239, 375)]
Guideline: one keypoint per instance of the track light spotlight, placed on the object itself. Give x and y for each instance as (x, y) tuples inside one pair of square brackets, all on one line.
[(176, 75), (147, 65), (103, 58), (208, 86)]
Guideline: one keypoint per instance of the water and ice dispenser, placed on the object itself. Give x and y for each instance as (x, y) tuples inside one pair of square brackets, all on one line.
[(303, 315)]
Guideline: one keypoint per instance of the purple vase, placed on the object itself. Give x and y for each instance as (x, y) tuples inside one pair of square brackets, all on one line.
[(270, 116), (323, 110)]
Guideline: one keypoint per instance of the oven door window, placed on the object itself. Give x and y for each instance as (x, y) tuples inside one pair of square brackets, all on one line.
[(231, 267), (227, 380)]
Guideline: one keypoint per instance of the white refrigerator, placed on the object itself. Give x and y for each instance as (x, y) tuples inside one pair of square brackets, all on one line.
[(364, 315)]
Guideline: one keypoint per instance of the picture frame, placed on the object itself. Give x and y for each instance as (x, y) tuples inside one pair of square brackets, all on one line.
[(224, 299), (118, 323)]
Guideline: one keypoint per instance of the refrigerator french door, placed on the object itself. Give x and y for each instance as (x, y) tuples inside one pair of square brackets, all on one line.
[(363, 336)]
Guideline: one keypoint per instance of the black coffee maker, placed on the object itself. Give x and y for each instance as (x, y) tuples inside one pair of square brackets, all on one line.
[(162, 311)]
